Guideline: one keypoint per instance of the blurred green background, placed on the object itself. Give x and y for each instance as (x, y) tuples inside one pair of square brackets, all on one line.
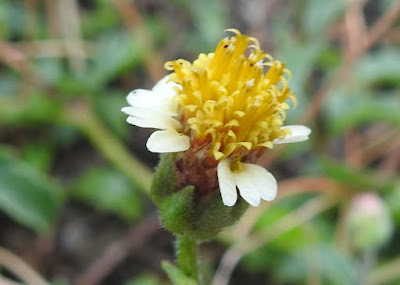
[(74, 176)]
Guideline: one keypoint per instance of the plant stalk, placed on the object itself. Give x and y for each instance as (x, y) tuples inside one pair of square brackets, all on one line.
[(186, 254)]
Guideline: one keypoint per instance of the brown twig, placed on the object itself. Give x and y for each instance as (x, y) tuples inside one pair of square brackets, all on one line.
[(6, 281), (134, 23), (20, 268), (391, 162), (376, 32), (70, 28), (380, 145), (355, 28), (15, 52), (246, 244), (118, 251)]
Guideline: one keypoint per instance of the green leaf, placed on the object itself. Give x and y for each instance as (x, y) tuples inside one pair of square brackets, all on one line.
[(117, 52), (381, 66), (347, 109), (393, 202), (364, 180), (177, 277), (301, 67), (27, 195), (49, 70), (334, 267), (318, 16), (38, 154), (8, 84), (37, 108), (207, 32), (109, 107), (109, 191)]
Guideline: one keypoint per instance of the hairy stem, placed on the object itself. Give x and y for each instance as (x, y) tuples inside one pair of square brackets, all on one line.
[(186, 254)]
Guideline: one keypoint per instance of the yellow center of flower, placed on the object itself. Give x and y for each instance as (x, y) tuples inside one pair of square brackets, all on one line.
[(227, 99)]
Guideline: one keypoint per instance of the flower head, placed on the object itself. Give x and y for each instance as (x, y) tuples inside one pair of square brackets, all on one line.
[(221, 111)]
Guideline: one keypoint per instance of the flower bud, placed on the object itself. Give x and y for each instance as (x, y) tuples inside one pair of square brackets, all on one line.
[(369, 222), (183, 211)]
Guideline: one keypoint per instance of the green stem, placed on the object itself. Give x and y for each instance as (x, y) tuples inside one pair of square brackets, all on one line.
[(366, 263), (186, 254)]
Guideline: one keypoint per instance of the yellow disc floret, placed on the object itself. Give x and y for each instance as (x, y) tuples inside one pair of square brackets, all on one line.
[(227, 99)]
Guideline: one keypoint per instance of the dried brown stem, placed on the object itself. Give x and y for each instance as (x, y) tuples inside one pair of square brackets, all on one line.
[(134, 23), (118, 251), (376, 32), (295, 218), (20, 268)]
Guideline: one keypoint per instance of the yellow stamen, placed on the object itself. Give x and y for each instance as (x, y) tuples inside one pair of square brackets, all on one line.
[(228, 98)]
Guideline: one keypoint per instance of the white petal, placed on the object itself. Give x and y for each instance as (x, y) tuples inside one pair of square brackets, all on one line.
[(146, 118), (167, 141), (254, 178), (298, 134), (145, 123), (165, 88), (227, 185), (142, 98)]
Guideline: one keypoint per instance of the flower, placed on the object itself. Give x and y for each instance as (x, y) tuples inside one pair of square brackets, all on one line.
[(369, 223), (221, 112)]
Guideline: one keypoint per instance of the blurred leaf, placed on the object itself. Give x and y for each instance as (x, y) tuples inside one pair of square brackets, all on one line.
[(335, 268), (26, 194), (109, 108), (318, 15), (393, 202), (117, 51), (40, 107), (49, 70), (295, 238), (12, 18), (208, 31), (109, 191), (100, 20), (8, 84), (144, 280), (364, 180), (176, 275), (157, 30), (381, 66), (35, 108), (63, 136), (301, 68), (38, 155), (350, 108)]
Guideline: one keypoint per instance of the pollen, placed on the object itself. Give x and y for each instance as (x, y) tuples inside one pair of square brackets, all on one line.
[(232, 100)]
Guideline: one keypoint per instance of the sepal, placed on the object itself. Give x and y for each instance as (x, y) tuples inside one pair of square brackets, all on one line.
[(183, 212)]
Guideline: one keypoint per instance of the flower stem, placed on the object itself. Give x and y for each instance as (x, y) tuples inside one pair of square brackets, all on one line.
[(186, 254)]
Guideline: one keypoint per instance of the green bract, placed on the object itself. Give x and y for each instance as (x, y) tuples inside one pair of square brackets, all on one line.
[(181, 213)]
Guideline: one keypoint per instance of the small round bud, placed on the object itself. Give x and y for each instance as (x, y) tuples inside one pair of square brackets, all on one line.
[(369, 222)]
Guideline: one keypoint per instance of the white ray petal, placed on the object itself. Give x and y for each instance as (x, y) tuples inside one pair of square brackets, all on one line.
[(146, 118), (227, 185), (167, 141), (165, 88), (256, 178), (146, 99), (298, 134), (247, 182), (139, 96)]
